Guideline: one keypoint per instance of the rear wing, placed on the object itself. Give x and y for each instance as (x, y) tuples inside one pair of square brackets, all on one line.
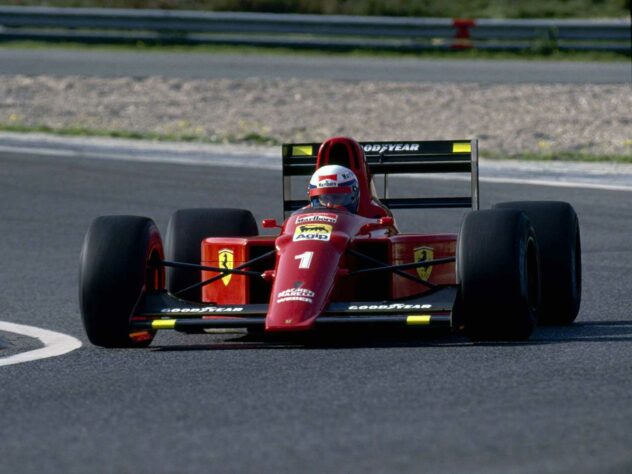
[(385, 158)]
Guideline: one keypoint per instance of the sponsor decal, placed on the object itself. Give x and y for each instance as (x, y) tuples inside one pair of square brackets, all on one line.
[(318, 232), (382, 147), (305, 150), (327, 183), (421, 254), (333, 180), (364, 307), (328, 218), (346, 175), (295, 294), (205, 309), (226, 260)]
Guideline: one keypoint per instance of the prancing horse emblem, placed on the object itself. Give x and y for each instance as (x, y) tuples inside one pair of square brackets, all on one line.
[(422, 254), (226, 260)]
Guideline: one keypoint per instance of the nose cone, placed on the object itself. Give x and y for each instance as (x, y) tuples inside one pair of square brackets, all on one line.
[(306, 274)]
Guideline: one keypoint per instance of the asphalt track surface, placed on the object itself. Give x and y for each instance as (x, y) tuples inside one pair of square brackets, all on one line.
[(60, 62), (558, 403)]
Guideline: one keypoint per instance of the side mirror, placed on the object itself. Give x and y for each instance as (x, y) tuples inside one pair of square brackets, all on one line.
[(269, 224), (381, 222)]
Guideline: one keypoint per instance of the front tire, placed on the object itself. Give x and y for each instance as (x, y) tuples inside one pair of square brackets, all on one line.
[(114, 273), (498, 275), (557, 230), (185, 232)]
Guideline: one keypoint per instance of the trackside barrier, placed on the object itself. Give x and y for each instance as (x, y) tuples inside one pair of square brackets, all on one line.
[(335, 32)]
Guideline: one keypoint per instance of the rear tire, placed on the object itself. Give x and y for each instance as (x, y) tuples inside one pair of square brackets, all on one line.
[(498, 275), (185, 232), (557, 230), (113, 275)]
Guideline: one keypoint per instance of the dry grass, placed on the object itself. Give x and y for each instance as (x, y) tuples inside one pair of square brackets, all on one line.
[(427, 8)]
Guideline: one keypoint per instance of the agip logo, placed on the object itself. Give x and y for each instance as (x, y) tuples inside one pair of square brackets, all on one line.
[(226, 260), (317, 232)]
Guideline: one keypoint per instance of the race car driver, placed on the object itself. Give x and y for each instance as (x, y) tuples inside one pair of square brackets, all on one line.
[(334, 186)]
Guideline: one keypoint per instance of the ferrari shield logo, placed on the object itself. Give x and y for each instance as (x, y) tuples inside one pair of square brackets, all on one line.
[(226, 260), (421, 255)]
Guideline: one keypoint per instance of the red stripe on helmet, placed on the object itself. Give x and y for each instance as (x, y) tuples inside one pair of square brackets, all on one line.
[(320, 191)]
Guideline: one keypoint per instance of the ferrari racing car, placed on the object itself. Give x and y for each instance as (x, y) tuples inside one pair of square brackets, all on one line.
[(338, 259)]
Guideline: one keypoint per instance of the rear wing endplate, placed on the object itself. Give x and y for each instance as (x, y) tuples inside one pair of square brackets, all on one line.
[(385, 158)]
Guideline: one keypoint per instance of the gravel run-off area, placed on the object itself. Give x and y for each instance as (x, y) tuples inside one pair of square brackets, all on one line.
[(507, 119)]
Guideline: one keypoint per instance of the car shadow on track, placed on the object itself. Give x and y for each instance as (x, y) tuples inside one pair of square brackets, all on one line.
[(339, 340), (592, 331), (588, 331)]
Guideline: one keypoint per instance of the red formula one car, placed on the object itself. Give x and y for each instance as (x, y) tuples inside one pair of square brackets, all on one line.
[(334, 266)]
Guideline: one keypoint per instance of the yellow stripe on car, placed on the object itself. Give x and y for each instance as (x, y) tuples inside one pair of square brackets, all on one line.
[(461, 148), (418, 319), (302, 150), (163, 324)]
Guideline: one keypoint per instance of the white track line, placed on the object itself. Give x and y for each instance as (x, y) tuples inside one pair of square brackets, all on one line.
[(561, 183), (55, 343), (600, 176), (557, 184)]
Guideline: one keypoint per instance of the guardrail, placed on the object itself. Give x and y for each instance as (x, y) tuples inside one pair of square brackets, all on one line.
[(336, 32)]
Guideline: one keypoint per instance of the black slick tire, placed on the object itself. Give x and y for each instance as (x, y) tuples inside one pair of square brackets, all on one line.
[(557, 230), (498, 275), (114, 273), (185, 232)]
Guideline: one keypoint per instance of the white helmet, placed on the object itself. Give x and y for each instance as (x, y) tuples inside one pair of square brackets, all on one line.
[(334, 186)]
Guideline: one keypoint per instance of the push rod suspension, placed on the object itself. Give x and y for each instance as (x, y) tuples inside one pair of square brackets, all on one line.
[(223, 272), (405, 266), (386, 267), (193, 266)]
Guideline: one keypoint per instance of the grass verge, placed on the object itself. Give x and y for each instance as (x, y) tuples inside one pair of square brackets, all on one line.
[(431, 8), (250, 138), (255, 138)]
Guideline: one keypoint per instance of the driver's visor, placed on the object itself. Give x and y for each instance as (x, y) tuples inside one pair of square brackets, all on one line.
[(315, 192)]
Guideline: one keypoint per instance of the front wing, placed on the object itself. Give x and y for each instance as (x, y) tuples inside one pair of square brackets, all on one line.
[(162, 310)]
